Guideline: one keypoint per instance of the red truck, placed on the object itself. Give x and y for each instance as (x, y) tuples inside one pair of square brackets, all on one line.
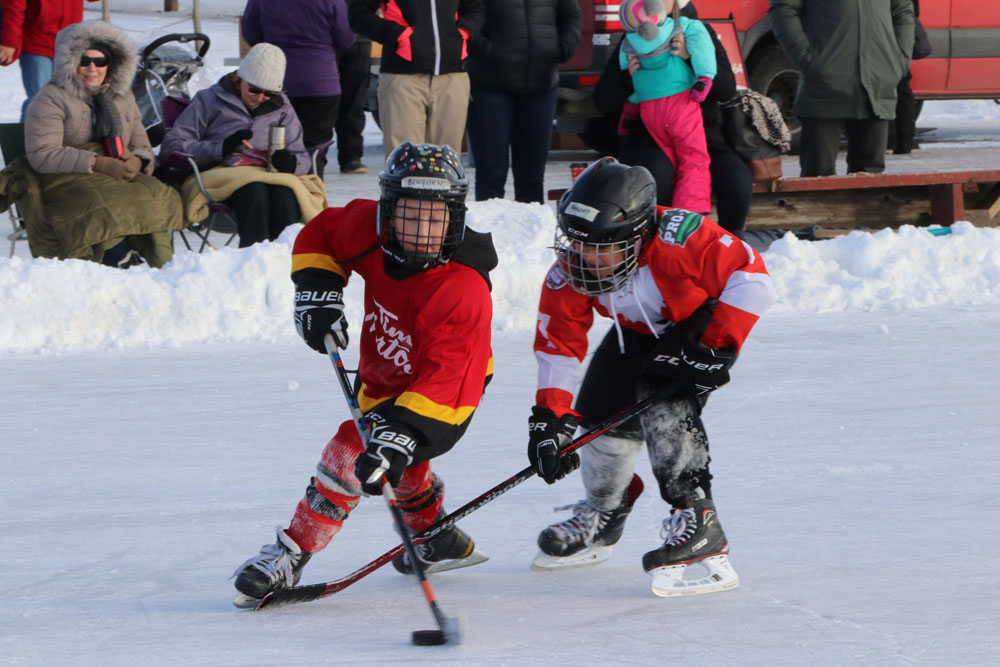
[(965, 63)]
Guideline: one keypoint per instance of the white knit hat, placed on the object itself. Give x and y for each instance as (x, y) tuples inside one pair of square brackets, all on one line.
[(264, 67)]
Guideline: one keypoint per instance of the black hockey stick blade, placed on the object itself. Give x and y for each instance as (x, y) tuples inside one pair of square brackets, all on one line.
[(310, 592)]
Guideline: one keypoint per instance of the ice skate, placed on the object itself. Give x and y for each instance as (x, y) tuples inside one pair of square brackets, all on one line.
[(278, 565), (694, 557), (585, 538), (450, 550)]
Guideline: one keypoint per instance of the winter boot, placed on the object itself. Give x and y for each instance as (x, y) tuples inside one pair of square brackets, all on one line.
[(694, 556), (586, 537), (278, 565), (449, 550)]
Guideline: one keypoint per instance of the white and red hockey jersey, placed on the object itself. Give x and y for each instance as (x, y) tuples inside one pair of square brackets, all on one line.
[(690, 259)]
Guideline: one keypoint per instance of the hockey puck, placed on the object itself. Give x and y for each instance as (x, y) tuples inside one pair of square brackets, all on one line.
[(428, 637)]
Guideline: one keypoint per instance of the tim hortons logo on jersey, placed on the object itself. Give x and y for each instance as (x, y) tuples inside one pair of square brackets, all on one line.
[(677, 226), (391, 343), (556, 278), (581, 211), (425, 183)]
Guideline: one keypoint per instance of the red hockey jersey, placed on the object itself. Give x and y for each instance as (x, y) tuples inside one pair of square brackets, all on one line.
[(689, 260), (425, 340)]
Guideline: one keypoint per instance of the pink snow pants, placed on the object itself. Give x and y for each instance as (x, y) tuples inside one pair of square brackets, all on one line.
[(676, 126)]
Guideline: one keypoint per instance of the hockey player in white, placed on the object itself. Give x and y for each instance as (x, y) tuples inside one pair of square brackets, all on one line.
[(683, 294)]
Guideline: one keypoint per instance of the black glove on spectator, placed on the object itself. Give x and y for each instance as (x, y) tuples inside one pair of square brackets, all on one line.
[(233, 141), (390, 451), (283, 161), (319, 310), (547, 434), (697, 368)]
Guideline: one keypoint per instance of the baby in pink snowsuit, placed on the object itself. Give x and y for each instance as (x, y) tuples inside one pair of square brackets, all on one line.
[(669, 91)]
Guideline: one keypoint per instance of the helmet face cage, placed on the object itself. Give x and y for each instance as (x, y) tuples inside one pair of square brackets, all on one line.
[(597, 268), (421, 218), (604, 219)]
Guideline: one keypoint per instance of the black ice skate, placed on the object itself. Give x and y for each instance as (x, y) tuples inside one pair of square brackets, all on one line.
[(585, 538), (450, 550), (694, 557), (278, 565)]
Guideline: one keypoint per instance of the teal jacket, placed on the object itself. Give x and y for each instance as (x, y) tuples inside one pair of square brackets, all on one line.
[(663, 74)]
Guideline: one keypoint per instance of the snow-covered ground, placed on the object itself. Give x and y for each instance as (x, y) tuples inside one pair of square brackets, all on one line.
[(157, 425)]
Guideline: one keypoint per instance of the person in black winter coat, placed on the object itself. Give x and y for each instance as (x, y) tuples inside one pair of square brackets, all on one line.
[(513, 70), (732, 184)]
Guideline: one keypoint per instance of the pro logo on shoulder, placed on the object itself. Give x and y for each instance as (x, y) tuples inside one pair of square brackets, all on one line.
[(556, 278), (677, 226)]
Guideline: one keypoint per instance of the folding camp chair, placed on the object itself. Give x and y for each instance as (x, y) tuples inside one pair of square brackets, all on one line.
[(12, 146), (174, 169)]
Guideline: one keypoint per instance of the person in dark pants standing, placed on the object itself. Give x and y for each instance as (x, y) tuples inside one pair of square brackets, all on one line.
[(514, 69), (310, 32), (903, 130), (846, 84), (354, 65), (732, 184)]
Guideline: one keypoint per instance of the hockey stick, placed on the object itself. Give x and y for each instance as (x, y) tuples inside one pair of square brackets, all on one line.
[(309, 592), (447, 632)]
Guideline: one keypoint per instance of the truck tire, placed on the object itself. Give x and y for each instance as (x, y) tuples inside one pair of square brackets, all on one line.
[(772, 74)]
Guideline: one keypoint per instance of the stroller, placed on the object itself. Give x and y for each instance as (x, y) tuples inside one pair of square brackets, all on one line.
[(161, 79)]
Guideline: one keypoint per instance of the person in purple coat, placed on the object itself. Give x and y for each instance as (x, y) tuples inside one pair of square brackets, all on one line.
[(236, 115), (311, 33)]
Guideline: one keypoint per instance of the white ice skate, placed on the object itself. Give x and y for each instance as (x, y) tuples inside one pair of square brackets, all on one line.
[(592, 555)]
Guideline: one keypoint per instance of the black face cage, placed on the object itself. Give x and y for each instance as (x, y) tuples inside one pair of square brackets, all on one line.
[(416, 251), (598, 268)]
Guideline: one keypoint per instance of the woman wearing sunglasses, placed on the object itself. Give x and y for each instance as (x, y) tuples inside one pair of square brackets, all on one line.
[(90, 155), (228, 124)]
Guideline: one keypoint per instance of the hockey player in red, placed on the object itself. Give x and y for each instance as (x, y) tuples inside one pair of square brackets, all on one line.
[(683, 294), (425, 356)]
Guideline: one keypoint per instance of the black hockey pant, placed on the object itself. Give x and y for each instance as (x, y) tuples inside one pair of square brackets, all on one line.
[(672, 429)]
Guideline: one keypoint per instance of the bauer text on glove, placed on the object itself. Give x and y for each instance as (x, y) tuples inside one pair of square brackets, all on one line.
[(389, 452), (319, 310)]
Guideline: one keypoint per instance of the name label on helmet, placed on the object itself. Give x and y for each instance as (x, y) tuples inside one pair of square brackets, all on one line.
[(582, 211), (677, 226), (425, 183)]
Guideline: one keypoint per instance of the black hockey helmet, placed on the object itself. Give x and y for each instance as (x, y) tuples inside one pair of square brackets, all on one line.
[(603, 220), (422, 174)]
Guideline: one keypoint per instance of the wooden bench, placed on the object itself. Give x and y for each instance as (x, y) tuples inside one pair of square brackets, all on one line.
[(874, 201)]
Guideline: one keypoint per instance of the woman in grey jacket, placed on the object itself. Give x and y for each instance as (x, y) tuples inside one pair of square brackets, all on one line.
[(85, 122), (235, 116)]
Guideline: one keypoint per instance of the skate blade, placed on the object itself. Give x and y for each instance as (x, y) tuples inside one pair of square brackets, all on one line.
[(669, 581), (594, 555), (475, 558), (242, 601)]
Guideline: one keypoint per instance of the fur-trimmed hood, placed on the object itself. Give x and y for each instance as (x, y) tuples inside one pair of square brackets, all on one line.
[(74, 39)]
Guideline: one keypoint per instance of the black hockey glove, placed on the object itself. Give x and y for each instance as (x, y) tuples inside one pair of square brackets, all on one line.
[(697, 368), (390, 451), (234, 141), (319, 310), (547, 434)]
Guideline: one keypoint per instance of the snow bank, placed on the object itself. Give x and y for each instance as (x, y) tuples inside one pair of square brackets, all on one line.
[(241, 295)]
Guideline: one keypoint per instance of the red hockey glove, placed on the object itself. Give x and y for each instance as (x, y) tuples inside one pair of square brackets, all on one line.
[(547, 434)]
